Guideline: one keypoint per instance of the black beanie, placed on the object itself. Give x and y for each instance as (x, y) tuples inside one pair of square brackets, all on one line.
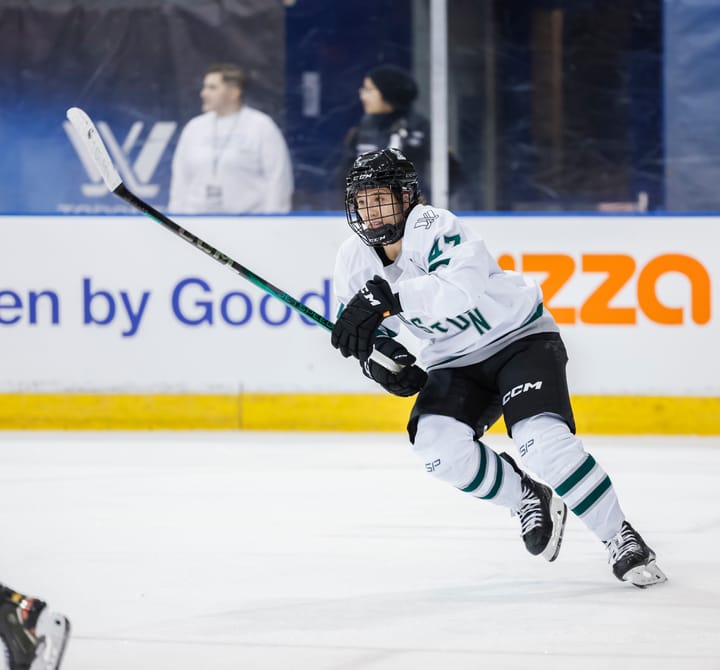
[(396, 85)]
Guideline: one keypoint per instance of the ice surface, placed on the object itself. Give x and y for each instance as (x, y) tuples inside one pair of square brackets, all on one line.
[(335, 551)]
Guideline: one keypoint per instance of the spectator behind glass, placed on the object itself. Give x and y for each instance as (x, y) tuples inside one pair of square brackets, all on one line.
[(232, 158), (387, 96)]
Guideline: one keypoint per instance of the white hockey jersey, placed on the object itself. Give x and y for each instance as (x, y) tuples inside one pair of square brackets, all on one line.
[(455, 297)]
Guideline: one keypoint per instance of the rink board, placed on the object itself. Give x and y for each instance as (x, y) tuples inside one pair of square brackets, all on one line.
[(603, 415), (114, 322)]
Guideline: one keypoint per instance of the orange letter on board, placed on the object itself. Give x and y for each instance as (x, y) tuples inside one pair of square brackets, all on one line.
[(699, 289), (619, 269)]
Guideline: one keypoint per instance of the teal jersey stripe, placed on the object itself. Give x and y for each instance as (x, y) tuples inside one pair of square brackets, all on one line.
[(481, 471), (437, 264), (587, 465), (533, 317), (592, 497), (498, 480), (384, 331)]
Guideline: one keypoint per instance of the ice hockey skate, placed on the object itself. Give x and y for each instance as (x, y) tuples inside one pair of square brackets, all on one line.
[(632, 560), (34, 638), (542, 516)]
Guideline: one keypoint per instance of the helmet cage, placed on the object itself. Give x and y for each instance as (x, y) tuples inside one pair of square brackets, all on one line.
[(383, 169)]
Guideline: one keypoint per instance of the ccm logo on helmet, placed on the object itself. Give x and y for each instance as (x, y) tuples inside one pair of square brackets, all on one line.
[(521, 388)]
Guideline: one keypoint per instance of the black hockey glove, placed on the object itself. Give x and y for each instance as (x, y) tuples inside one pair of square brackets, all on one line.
[(405, 383), (354, 332)]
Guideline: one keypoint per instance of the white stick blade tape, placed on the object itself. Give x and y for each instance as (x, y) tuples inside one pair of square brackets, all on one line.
[(91, 140)]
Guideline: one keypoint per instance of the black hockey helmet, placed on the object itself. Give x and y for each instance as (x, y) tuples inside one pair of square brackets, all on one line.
[(382, 169)]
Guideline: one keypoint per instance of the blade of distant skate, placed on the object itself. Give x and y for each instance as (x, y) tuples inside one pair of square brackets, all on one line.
[(53, 632)]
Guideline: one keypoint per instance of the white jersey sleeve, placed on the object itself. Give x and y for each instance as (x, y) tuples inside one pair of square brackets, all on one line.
[(356, 264)]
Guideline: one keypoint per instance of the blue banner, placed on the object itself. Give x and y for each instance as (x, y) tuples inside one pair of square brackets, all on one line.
[(137, 69)]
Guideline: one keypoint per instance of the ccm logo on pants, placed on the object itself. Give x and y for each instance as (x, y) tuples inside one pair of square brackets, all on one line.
[(521, 388)]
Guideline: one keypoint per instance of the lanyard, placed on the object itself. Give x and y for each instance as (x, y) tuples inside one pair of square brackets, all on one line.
[(218, 147)]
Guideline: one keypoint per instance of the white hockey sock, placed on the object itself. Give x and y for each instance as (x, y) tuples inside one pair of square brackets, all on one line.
[(450, 453), (550, 450)]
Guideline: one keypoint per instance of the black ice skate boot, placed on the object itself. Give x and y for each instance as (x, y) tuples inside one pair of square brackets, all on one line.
[(632, 560), (34, 638), (542, 516)]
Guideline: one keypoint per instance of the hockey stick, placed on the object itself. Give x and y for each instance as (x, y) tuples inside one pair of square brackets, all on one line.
[(91, 140)]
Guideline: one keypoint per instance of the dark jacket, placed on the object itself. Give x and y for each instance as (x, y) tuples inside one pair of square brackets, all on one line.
[(406, 131)]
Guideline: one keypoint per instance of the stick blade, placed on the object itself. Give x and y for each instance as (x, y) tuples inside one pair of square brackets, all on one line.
[(91, 140)]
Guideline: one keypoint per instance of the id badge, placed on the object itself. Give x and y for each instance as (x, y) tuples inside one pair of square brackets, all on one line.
[(213, 197)]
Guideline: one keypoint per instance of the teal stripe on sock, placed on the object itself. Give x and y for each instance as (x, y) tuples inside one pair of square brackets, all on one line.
[(573, 480), (481, 471), (498, 480), (592, 497)]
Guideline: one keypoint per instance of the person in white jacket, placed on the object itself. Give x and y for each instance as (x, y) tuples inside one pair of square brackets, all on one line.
[(231, 159), (489, 348)]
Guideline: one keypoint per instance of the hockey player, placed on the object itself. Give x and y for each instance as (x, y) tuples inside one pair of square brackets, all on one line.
[(33, 638), (489, 347)]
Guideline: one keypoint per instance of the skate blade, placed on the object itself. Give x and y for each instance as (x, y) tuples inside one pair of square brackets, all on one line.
[(52, 631), (645, 575), (558, 513)]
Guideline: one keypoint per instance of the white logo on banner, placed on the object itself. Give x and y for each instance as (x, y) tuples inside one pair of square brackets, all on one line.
[(136, 175)]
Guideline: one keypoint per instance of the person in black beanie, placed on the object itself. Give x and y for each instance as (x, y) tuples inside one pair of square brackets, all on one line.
[(396, 86), (387, 95)]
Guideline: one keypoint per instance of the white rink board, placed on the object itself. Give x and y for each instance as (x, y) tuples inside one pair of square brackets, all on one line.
[(58, 276)]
